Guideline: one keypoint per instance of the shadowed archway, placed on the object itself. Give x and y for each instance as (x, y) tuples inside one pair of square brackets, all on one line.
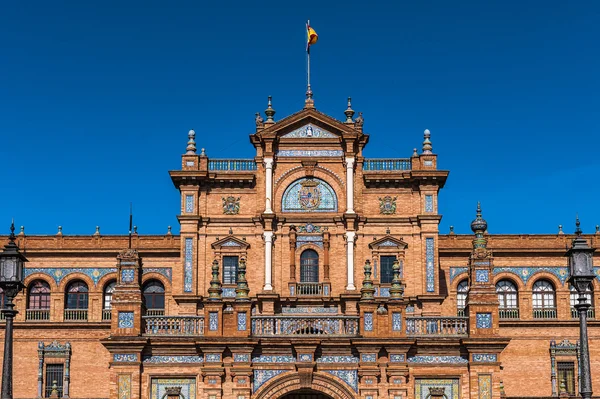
[(305, 394)]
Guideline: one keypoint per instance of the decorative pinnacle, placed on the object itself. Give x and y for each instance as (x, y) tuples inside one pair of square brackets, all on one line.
[(270, 112), (230, 231), (349, 111), (597, 229), (577, 227), (12, 231), (169, 231), (191, 147), (22, 232), (97, 233), (479, 227), (59, 232), (415, 153), (309, 102), (426, 142), (560, 230), (452, 230)]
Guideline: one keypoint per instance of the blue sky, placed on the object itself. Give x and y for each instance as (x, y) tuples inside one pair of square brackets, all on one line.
[(96, 99)]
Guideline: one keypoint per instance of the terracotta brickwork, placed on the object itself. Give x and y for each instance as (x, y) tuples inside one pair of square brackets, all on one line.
[(180, 311)]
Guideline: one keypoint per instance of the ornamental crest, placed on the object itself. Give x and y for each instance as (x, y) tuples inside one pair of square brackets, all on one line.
[(231, 205), (309, 195), (387, 205)]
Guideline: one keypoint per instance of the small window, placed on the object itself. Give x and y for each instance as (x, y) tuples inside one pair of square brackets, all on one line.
[(543, 295), (54, 375), (108, 293), (462, 291), (77, 295), (154, 295), (230, 269), (39, 295), (309, 266), (507, 294), (386, 269), (566, 375)]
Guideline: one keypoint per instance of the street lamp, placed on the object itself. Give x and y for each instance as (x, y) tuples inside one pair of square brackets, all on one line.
[(11, 281), (581, 269)]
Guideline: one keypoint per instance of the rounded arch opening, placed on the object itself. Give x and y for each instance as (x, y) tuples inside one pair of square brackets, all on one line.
[(305, 394), (154, 297), (309, 194)]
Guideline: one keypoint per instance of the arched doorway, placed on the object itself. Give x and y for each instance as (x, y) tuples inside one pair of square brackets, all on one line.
[(305, 394)]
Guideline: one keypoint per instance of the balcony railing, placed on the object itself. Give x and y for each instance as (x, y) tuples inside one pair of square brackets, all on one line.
[(37, 314), (231, 164), (106, 314), (591, 314), (437, 326), (174, 325), (309, 289), (387, 164), (155, 312), (509, 313), (1, 316), (339, 326), (544, 313), (76, 314), (460, 312)]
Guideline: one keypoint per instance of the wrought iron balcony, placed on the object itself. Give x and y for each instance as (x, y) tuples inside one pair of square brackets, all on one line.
[(508, 313), (437, 326), (308, 326), (76, 314), (37, 314), (391, 164), (106, 314), (591, 313), (174, 325), (544, 313), (236, 165)]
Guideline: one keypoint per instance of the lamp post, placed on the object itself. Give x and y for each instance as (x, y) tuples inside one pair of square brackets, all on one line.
[(581, 269), (11, 281)]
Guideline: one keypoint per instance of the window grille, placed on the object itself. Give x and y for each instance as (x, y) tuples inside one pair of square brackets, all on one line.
[(77, 295), (507, 294), (566, 375), (386, 272), (543, 295), (154, 295), (230, 269), (54, 374), (309, 266)]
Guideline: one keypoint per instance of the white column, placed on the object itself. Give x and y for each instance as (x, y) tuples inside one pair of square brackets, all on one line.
[(349, 185), (350, 259), (268, 235), (269, 184)]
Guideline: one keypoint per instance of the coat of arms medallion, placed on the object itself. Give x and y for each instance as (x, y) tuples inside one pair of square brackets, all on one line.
[(309, 195), (231, 205), (387, 205)]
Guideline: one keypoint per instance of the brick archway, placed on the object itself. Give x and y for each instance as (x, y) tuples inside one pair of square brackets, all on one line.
[(291, 383), (305, 394)]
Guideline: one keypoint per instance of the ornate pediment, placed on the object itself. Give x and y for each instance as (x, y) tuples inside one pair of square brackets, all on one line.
[(309, 131), (388, 242), (230, 242)]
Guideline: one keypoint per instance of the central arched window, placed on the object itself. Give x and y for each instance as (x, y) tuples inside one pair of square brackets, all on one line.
[(574, 299), (39, 295), (309, 266), (544, 303), (154, 298), (462, 291), (507, 297), (77, 295)]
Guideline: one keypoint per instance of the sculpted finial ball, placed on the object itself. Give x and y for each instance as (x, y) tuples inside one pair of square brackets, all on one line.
[(427, 131)]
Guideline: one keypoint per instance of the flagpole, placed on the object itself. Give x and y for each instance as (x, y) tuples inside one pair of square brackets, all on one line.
[(308, 90)]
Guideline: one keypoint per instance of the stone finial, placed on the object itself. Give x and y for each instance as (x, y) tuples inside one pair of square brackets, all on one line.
[(54, 392), (387, 231), (230, 231), (214, 292), (502, 393), (260, 122), (452, 230), (135, 230), (563, 388), (202, 152), (169, 233), (22, 232), (97, 233), (597, 229), (367, 291), (241, 289), (359, 121), (479, 227), (415, 153), (560, 230), (381, 309), (426, 142), (309, 102), (270, 112), (349, 112), (396, 290), (59, 232), (191, 145), (577, 227)]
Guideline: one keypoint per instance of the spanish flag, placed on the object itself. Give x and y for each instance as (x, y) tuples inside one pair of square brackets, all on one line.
[(311, 37)]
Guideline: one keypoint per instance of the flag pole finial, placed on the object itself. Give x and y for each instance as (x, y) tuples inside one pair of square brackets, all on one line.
[(311, 38)]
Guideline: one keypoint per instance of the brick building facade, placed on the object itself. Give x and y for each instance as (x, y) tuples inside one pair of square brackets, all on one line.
[(306, 272)]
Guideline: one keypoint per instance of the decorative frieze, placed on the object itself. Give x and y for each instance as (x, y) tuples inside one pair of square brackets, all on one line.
[(368, 357), (309, 131), (241, 357), (310, 309), (172, 359), (305, 357), (125, 357), (438, 360), (485, 357), (524, 273), (58, 274), (429, 264), (212, 357), (310, 153), (273, 359), (337, 359), (397, 358), (188, 267)]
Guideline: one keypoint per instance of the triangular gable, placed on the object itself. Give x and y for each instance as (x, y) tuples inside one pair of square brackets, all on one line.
[(309, 131), (388, 242), (309, 116), (230, 242)]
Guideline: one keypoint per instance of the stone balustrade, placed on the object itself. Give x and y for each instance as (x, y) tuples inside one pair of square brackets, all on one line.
[(437, 326), (392, 164), (174, 325), (305, 325), (236, 165), (76, 314), (37, 314)]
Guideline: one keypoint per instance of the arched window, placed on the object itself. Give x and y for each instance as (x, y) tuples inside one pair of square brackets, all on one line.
[(309, 266), (507, 296), (544, 303), (154, 298), (574, 300), (77, 295), (108, 293), (462, 291), (39, 295)]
